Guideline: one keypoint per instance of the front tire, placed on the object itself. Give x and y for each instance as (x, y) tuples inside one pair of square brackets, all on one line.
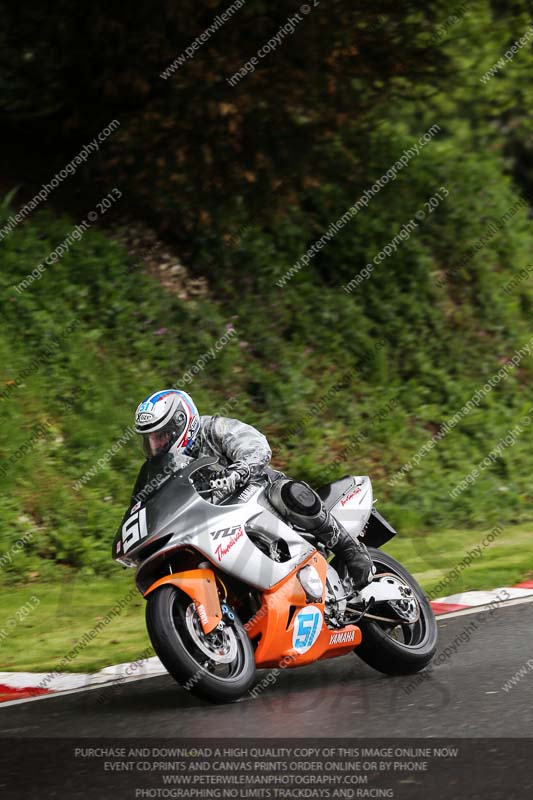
[(398, 648), (219, 667)]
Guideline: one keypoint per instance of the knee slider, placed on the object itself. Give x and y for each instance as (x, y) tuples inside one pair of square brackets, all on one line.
[(300, 498), (297, 502)]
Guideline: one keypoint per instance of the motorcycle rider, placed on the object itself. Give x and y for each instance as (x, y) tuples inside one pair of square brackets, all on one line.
[(168, 422)]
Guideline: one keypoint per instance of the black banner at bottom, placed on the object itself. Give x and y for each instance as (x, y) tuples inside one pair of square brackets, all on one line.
[(284, 769)]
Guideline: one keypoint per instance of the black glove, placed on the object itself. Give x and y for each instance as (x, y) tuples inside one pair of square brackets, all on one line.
[(232, 478)]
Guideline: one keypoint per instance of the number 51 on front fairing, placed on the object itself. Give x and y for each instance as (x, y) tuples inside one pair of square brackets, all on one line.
[(231, 588)]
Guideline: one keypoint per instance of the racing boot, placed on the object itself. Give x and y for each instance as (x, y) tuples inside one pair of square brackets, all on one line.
[(301, 505), (352, 551)]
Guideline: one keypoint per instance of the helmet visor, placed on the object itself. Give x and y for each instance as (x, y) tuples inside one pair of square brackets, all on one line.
[(159, 442)]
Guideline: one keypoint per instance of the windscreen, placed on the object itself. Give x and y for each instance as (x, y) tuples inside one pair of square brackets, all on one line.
[(155, 472)]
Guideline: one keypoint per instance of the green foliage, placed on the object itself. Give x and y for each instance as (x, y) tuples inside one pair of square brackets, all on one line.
[(246, 180), (82, 386)]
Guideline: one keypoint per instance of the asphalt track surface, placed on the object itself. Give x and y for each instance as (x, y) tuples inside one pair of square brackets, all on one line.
[(461, 697)]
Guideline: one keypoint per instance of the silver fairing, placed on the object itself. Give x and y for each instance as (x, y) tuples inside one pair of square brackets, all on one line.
[(354, 505), (177, 513)]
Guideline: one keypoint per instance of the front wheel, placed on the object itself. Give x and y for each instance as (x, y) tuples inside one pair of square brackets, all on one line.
[(219, 666), (408, 643)]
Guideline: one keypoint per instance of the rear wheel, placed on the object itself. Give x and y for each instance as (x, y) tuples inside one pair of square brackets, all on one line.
[(218, 666), (406, 640)]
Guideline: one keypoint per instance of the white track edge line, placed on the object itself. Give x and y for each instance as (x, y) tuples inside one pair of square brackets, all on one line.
[(63, 692), (473, 609)]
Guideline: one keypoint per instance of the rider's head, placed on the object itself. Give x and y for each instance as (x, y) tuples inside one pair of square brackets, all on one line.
[(168, 421)]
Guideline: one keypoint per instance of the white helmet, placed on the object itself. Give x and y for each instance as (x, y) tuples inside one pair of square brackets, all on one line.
[(167, 420)]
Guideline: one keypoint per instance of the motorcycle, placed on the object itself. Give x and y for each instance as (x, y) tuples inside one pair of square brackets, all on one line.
[(231, 587)]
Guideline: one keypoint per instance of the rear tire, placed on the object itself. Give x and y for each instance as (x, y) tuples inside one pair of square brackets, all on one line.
[(379, 648), (183, 648)]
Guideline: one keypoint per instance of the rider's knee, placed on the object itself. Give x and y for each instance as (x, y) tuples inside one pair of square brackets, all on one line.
[(298, 502)]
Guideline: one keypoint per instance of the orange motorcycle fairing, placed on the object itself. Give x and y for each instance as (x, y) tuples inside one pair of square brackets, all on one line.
[(290, 630), (200, 585)]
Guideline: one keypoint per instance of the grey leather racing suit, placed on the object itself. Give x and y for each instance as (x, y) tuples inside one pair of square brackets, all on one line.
[(233, 441)]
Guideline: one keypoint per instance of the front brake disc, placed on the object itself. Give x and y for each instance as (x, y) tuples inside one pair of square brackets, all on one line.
[(220, 645)]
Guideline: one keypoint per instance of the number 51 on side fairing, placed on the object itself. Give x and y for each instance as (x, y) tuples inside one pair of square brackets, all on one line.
[(231, 588)]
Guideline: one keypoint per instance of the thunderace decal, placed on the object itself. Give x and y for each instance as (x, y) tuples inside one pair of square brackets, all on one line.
[(349, 497), (225, 546)]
